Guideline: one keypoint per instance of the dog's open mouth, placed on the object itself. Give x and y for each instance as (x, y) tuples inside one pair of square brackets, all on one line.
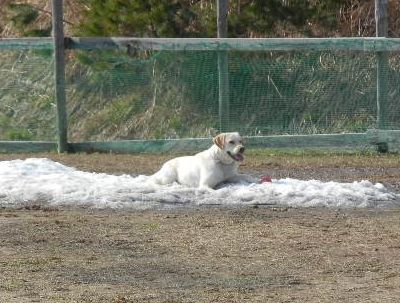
[(237, 157)]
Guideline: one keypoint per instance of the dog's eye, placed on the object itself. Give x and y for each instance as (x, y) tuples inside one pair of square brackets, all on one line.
[(231, 142)]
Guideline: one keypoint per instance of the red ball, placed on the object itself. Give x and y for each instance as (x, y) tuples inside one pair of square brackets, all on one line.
[(265, 179)]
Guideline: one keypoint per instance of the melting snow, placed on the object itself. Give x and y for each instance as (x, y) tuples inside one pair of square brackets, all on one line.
[(48, 183)]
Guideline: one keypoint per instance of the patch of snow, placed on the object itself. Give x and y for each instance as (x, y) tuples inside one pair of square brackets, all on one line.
[(44, 182)]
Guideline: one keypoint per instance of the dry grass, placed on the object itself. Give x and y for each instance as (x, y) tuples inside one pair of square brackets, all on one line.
[(206, 254), (202, 255)]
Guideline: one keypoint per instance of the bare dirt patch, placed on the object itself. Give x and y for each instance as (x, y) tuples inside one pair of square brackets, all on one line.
[(207, 254)]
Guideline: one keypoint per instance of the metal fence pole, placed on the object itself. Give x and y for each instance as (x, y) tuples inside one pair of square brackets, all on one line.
[(382, 74), (223, 71), (59, 74)]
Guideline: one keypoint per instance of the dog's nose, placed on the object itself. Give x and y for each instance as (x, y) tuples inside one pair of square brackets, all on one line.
[(241, 150)]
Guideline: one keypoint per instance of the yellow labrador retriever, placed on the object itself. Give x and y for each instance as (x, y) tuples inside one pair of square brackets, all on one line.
[(208, 168)]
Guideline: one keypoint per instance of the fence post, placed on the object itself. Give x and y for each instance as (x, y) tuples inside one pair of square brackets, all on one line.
[(59, 74), (382, 74), (223, 71)]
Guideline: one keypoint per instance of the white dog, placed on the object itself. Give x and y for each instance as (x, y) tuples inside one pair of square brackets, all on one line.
[(208, 168)]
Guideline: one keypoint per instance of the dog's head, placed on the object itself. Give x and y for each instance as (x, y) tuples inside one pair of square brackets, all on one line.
[(231, 145)]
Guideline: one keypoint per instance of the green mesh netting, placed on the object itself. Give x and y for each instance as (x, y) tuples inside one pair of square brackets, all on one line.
[(174, 94), (27, 104), (113, 95)]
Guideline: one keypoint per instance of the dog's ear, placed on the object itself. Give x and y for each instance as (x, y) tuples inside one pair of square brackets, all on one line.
[(219, 141)]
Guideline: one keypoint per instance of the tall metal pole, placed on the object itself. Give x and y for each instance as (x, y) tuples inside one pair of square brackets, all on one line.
[(59, 74), (222, 18), (223, 71), (382, 74)]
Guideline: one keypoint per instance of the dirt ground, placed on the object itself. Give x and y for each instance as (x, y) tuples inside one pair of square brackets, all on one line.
[(207, 254)]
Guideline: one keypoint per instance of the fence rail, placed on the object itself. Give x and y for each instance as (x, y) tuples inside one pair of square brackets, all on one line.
[(238, 44), (370, 44), (26, 43)]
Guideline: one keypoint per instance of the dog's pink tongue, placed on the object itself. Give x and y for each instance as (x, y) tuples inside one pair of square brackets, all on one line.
[(239, 157)]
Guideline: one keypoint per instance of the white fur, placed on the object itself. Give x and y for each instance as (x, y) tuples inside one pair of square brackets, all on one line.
[(208, 168)]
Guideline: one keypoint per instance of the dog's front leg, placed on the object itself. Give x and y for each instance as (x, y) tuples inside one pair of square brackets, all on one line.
[(206, 184)]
